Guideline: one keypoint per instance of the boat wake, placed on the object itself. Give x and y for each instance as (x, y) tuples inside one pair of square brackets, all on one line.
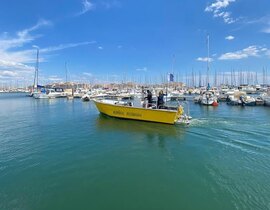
[(199, 122), (253, 140)]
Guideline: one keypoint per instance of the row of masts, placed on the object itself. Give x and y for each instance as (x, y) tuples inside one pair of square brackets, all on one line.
[(232, 78), (193, 79), (36, 77), (200, 78)]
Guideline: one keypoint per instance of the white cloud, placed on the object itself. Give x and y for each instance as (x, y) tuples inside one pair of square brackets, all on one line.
[(100, 48), (12, 59), (22, 37), (142, 69), (229, 38), (14, 65), (87, 6), (219, 4), (251, 51), (205, 59), (8, 74), (55, 78), (40, 23), (266, 30), (111, 4), (217, 9), (119, 46), (15, 60), (266, 22), (65, 46), (263, 21), (87, 74)]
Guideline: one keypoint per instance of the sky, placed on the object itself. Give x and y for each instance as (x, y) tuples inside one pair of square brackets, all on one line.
[(115, 40)]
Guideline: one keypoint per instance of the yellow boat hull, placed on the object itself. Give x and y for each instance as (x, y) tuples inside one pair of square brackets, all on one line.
[(135, 113)]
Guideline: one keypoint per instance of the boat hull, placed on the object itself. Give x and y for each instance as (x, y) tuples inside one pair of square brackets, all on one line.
[(253, 103), (40, 96), (267, 102), (206, 102), (134, 113), (234, 103)]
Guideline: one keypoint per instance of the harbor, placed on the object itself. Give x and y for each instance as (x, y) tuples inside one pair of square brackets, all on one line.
[(244, 95), (135, 105), (61, 153), (71, 145)]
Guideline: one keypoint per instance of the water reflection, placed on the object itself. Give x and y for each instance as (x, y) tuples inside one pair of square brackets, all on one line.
[(151, 130)]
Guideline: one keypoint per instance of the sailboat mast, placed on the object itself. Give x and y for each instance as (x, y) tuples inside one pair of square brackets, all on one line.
[(66, 71), (37, 65), (200, 79), (208, 46), (35, 79)]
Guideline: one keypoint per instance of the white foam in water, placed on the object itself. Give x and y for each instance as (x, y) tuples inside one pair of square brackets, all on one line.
[(199, 122)]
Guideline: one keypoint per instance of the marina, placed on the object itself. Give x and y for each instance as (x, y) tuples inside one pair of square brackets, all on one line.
[(135, 105), (249, 95), (58, 149)]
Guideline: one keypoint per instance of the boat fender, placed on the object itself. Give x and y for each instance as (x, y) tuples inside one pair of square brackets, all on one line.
[(215, 103)]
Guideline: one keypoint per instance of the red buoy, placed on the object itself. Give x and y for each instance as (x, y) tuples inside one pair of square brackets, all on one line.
[(215, 103)]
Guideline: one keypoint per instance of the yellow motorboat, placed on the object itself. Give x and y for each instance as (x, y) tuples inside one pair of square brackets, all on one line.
[(128, 111)]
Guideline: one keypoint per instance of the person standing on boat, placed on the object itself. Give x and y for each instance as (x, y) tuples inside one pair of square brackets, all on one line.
[(149, 98), (160, 100)]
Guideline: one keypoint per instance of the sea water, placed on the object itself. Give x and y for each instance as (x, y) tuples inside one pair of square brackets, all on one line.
[(63, 154)]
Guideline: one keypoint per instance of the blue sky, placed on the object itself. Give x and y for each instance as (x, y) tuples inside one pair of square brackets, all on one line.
[(117, 39)]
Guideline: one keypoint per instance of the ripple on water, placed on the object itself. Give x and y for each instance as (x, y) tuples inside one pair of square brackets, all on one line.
[(49, 148), (234, 133), (241, 184)]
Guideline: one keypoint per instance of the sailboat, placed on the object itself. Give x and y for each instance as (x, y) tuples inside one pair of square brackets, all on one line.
[(208, 98), (70, 93), (35, 84), (39, 92)]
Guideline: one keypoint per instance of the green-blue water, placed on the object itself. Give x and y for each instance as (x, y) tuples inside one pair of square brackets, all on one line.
[(60, 154)]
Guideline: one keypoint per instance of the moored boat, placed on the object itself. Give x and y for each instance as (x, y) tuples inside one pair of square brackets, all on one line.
[(234, 98), (259, 101), (209, 99), (266, 97), (40, 95), (234, 102), (248, 101), (85, 97), (267, 101)]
